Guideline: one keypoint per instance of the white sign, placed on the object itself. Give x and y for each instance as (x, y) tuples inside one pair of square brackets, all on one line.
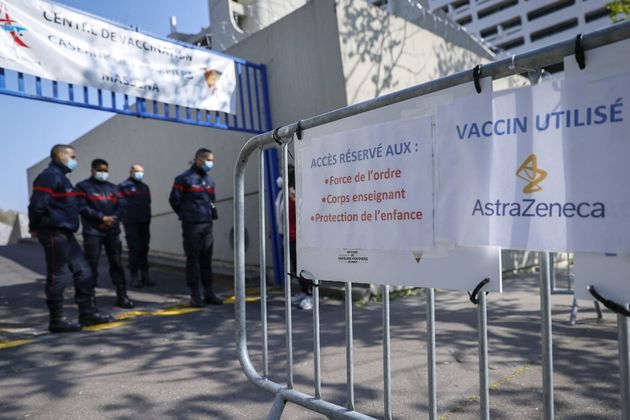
[(57, 43), (460, 268), (367, 188), (538, 168), (610, 275)]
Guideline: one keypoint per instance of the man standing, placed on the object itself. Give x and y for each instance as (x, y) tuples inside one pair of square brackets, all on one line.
[(53, 215), (136, 220), (192, 198), (101, 210)]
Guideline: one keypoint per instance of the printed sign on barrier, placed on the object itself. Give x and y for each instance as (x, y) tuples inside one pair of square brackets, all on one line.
[(368, 188), (537, 168)]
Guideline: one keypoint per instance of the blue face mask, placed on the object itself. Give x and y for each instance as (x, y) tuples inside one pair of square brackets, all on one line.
[(72, 164), (101, 176), (207, 165), (138, 176)]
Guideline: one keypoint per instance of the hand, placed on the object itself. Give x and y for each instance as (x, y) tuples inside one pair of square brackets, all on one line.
[(33, 233), (104, 226), (109, 221)]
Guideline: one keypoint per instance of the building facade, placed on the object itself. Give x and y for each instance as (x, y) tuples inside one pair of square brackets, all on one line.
[(515, 26)]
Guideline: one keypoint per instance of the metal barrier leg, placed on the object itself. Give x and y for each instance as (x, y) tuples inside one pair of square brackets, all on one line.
[(277, 408), (574, 311), (623, 338), (287, 264), (316, 342), (598, 309), (387, 371), (263, 262), (547, 341), (483, 357), (552, 271), (431, 371), (349, 349)]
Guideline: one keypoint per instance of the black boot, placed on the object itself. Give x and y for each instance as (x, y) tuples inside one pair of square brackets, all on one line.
[(59, 324), (122, 300), (211, 299), (89, 315), (195, 298), (135, 281), (146, 279)]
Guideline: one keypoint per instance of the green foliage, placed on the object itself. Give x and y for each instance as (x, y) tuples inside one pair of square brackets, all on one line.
[(7, 217), (619, 10)]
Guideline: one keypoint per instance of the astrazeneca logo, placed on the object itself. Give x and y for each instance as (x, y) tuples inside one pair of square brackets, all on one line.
[(9, 26), (530, 172), (531, 207)]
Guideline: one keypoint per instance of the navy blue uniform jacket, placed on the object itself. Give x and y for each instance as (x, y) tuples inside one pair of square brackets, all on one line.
[(192, 196), (98, 199), (138, 201), (54, 203)]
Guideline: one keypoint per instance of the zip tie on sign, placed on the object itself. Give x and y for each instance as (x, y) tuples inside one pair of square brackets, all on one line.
[(579, 52), (301, 277), (476, 75), (473, 296), (613, 306)]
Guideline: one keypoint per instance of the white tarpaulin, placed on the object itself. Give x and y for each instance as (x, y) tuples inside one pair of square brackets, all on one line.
[(47, 40), (538, 168)]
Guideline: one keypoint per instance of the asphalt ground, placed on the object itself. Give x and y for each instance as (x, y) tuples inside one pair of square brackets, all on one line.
[(165, 360)]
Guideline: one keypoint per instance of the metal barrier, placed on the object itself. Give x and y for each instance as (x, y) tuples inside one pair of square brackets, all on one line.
[(283, 136)]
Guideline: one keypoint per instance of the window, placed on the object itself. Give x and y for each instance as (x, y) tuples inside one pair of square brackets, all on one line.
[(496, 8), (550, 8), (552, 30), (485, 33), (517, 42), (596, 14), (464, 21), (512, 23)]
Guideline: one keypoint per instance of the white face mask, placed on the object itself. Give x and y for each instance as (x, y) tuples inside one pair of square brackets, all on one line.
[(101, 176)]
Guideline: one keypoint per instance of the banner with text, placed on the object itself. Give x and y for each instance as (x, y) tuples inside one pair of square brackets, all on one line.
[(57, 43), (367, 188), (539, 168)]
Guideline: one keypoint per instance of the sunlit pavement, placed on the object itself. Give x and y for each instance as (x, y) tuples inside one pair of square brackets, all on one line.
[(166, 360)]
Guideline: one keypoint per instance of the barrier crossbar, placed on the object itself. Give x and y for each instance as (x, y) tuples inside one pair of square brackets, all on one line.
[(284, 393)]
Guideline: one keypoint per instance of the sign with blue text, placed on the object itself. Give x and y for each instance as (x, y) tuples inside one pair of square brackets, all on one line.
[(537, 168), (45, 39)]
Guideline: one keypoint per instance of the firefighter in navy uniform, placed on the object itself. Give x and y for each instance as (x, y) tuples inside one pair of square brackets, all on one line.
[(53, 219), (192, 198), (137, 219), (101, 210)]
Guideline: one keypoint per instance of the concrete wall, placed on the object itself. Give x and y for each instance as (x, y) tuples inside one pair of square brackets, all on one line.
[(383, 53), (303, 61)]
